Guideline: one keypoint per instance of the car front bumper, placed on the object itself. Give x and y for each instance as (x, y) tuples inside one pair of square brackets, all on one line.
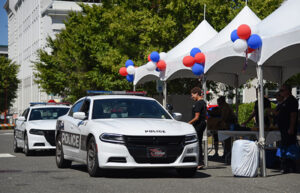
[(39, 142), (109, 150)]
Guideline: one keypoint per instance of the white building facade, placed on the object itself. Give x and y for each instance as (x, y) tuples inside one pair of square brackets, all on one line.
[(30, 22)]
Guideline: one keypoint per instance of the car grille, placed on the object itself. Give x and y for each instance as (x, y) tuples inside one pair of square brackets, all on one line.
[(50, 136), (138, 147)]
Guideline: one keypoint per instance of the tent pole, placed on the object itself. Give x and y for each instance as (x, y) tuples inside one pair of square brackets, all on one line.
[(237, 103), (165, 94), (205, 131), (261, 121), (237, 97)]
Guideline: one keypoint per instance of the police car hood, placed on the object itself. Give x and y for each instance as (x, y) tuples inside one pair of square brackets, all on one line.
[(43, 124), (144, 126)]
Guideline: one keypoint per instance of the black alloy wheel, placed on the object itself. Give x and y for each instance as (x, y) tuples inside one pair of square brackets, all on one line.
[(61, 162), (92, 159)]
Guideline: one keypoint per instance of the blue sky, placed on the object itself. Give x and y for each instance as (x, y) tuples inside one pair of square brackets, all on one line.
[(3, 24)]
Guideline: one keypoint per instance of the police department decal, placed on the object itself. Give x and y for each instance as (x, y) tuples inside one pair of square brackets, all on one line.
[(70, 139)]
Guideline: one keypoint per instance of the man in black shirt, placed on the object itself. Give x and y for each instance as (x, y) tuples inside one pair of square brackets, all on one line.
[(198, 119), (267, 105), (287, 123)]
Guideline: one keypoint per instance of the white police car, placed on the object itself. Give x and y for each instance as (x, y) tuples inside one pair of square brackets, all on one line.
[(120, 132), (35, 129)]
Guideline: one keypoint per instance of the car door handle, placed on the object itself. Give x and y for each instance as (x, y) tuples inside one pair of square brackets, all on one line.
[(72, 127)]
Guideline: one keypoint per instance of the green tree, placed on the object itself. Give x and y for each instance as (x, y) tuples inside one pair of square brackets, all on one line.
[(8, 82), (96, 42)]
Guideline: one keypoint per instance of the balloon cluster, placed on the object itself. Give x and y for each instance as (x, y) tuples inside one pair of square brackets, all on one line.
[(244, 41), (156, 61), (128, 70), (196, 60)]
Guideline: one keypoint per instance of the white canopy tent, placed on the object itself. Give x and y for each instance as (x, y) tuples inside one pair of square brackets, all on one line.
[(175, 69), (280, 32), (223, 64), (203, 32)]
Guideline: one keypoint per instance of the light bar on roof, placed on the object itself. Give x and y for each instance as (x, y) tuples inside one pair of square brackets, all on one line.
[(37, 103), (103, 92)]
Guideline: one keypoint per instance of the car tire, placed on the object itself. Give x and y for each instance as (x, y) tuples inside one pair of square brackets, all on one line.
[(16, 148), (26, 146), (92, 159), (61, 162), (186, 172)]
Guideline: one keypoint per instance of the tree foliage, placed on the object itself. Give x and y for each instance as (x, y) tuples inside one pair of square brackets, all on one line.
[(8, 82), (96, 42)]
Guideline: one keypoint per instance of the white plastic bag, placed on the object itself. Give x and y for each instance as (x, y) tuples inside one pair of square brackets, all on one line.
[(244, 158)]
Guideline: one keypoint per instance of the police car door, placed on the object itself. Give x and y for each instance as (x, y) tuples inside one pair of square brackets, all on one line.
[(82, 127), (71, 133), (20, 128)]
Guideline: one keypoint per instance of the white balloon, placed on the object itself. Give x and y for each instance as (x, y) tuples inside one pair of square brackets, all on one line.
[(131, 70), (240, 45), (162, 55), (151, 66)]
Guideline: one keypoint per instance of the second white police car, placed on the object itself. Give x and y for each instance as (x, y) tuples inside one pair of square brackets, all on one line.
[(123, 132)]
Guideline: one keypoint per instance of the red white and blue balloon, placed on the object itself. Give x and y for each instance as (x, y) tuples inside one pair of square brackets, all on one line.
[(244, 41), (156, 61), (128, 70), (196, 61)]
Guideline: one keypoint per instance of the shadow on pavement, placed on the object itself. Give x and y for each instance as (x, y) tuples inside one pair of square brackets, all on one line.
[(142, 173)]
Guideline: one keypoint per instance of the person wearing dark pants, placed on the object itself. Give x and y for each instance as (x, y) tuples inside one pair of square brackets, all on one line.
[(199, 119), (287, 123)]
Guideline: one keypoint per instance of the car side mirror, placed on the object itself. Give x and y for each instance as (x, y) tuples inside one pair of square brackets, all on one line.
[(177, 116), (79, 115), (21, 118)]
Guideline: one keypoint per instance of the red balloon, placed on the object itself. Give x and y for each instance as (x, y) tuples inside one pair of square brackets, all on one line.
[(149, 59), (188, 61), (200, 58), (161, 65), (250, 50), (244, 31), (123, 71)]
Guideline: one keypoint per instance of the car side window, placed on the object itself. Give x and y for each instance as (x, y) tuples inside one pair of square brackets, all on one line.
[(75, 108), (25, 113), (85, 107)]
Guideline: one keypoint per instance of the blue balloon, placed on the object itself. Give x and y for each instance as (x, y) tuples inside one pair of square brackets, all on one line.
[(130, 78), (198, 69), (129, 63), (194, 51), (254, 41), (234, 36), (154, 56), (157, 69)]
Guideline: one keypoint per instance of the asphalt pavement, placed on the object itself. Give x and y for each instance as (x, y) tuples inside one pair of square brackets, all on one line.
[(39, 174)]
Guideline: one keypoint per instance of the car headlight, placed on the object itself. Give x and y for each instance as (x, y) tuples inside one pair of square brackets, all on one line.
[(112, 138), (36, 132), (192, 138)]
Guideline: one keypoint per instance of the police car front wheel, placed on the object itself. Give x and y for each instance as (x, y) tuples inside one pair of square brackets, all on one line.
[(59, 155), (26, 147), (16, 148), (92, 159)]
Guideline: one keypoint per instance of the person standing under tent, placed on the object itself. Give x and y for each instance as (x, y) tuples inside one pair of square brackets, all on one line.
[(267, 107), (199, 119), (287, 123)]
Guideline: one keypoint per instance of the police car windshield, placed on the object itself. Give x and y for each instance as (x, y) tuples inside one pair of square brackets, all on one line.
[(128, 108), (47, 113)]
